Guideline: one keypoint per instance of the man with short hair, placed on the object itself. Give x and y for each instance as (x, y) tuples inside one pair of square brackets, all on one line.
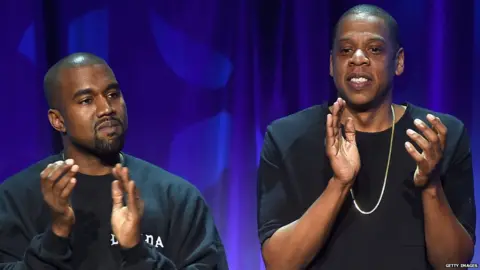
[(364, 183), (93, 206)]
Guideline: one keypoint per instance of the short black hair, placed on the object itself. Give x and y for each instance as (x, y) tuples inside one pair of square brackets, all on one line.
[(51, 79), (373, 11)]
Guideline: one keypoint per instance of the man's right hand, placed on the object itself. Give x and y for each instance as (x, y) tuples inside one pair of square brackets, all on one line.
[(342, 150), (57, 183)]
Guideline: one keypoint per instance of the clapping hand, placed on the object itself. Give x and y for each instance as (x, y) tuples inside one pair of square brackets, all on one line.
[(432, 144), (126, 218), (342, 150), (57, 182)]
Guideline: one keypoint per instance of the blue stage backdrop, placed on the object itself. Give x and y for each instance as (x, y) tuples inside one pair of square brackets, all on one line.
[(203, 78)]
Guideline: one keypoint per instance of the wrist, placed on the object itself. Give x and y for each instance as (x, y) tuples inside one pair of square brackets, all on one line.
[(61, 230), (340, 185), (55, 244), (432, 190), (135, 254), (131, 243)]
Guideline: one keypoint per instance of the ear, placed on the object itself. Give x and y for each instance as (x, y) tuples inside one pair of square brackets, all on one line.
[(331, 64), (56, 120), (400, 62)]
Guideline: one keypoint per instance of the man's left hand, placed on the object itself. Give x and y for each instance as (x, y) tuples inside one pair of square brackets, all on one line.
[(126, 218), (432, 143)]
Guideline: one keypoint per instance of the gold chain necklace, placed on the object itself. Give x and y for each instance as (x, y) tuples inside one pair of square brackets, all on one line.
[(386, 173)]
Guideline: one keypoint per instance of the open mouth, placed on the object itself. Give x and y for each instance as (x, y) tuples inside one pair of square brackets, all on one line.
[(359, 81)]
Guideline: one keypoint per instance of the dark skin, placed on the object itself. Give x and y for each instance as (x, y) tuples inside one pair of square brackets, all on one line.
[(89, 95), (364, 48), (92, 118)]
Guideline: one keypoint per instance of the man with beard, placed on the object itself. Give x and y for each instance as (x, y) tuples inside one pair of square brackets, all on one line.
[(84, 208), (364, 183)]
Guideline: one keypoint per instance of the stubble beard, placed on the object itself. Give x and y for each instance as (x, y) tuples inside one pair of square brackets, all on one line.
[(108, 146)]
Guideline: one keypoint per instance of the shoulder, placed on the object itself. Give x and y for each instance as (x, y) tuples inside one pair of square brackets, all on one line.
[(157, 179), (298, 122), (283, 132), (23, 188), (29, 177)]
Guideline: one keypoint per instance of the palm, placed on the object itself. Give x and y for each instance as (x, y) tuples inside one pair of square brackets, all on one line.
[(345, 159), (423, 170), (341, 149), (126, 218), (63, 213), (70, 213), (122, 221), (60, 207), (432, 144)]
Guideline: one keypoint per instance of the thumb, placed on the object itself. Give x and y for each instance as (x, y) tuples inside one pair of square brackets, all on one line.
[(117, 195), (350, 131)]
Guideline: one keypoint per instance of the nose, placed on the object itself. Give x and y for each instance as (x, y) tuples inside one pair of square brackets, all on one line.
[(104, 107), (359, 58)]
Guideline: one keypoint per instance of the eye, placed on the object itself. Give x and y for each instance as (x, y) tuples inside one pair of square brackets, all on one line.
[(345, 50), (113, 95), (376, 50), (86, 101)]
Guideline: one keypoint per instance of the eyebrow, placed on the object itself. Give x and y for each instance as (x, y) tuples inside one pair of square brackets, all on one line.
[(89, 91), (376, 38)]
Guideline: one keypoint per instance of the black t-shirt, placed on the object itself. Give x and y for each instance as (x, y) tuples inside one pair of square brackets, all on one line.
[(91, 234), (294, 171)]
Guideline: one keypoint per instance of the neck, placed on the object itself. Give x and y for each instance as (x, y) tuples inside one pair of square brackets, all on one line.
[(89, 163), (376, 119)]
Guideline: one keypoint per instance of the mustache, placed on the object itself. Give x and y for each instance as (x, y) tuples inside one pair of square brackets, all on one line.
[(114, 120)]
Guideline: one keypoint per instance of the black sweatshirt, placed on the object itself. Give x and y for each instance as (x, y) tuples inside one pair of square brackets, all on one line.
[(178, 231)]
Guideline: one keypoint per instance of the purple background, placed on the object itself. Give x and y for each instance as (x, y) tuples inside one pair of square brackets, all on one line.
[(203, 78)]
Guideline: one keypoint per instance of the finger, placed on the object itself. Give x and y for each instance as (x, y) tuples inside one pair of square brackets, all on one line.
[(428, 133), (116, 171), (335, 109), (132, 201), (440, 128), (140, 205), (138, 197), (124, 177), (330, 140), (419, 140), (140, 202), (419, 159), (67, 190), (141, 208), (64, 180), (350, 131), (44, 174), (136, 191), (341, 108), (60, 167), (49, 170), (341, 104), (117, 195)]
